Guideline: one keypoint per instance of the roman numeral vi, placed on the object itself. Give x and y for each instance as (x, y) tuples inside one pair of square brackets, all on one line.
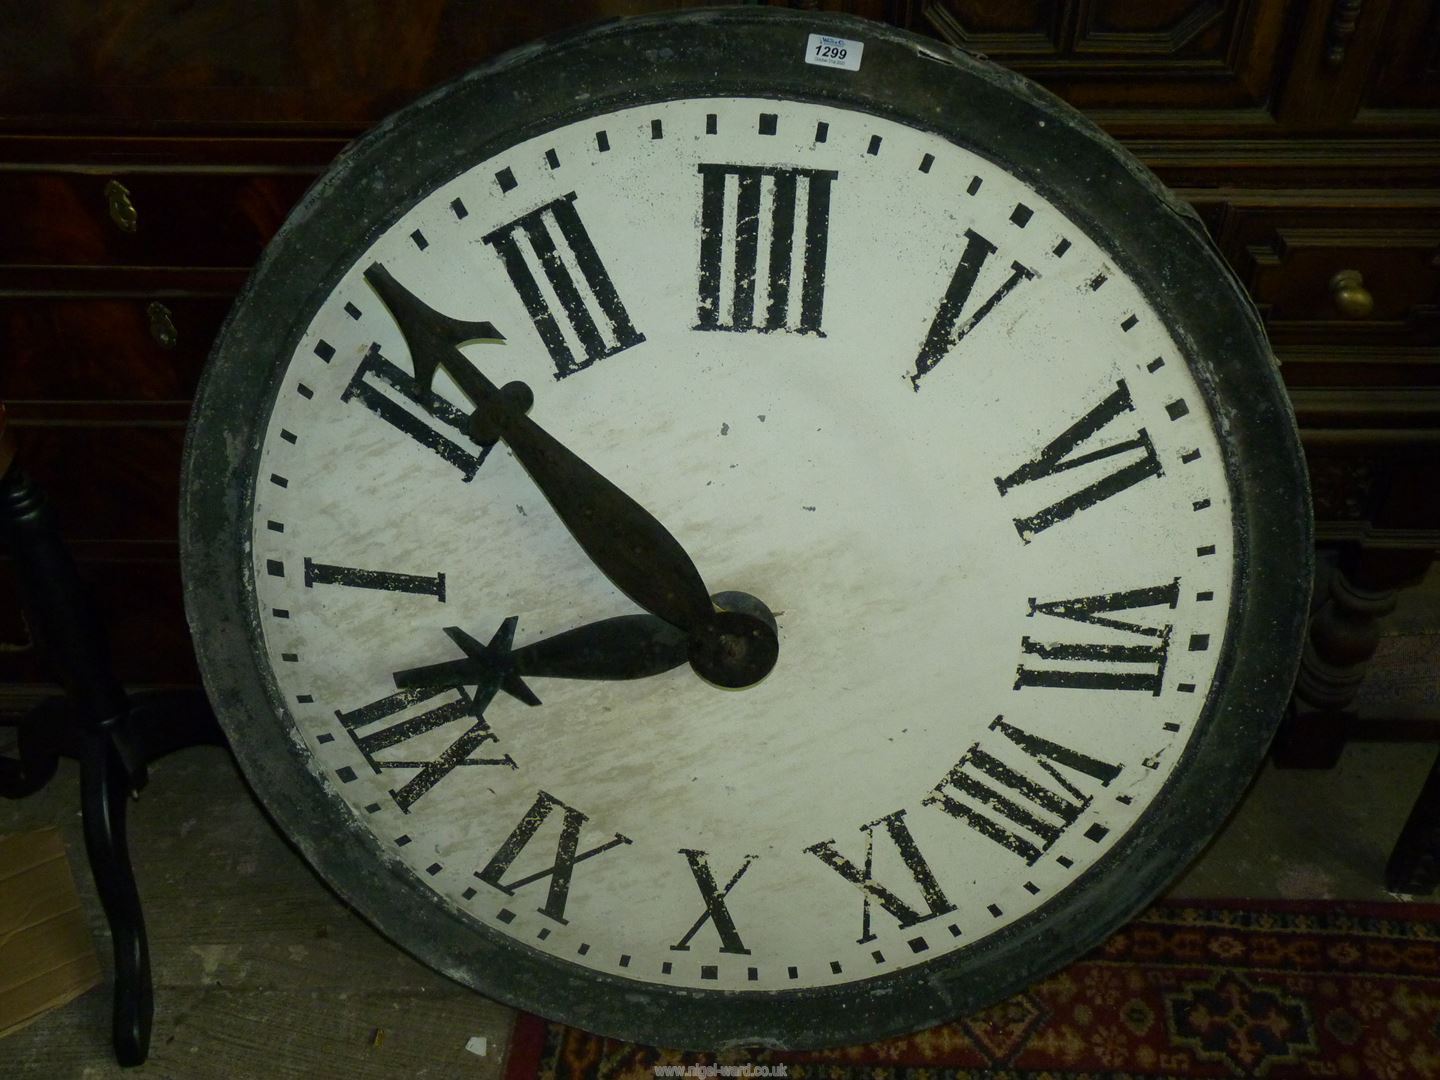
[(1060, 455)]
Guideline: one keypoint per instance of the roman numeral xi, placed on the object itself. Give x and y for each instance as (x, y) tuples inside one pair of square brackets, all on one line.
[(562, 866)]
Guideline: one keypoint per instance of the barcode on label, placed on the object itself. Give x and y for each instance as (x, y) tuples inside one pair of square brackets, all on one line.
[(834, 52)]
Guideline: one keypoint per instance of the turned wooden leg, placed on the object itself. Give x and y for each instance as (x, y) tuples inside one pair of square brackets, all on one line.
[(1353, 596)]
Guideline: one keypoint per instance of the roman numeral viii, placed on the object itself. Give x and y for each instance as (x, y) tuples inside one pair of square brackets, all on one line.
[(420, 414), (792, 208), (562, 866), (951, 324), (863, 876), (441, 730), (1109, 665), (1010, 790), (596, 324), (1136, 455)]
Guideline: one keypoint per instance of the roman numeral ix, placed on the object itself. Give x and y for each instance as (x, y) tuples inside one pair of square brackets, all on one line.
[(567, 854), (951, 325), (795, 207), (1137, 453), (1009, 803), (1108, 665), (596, 322), (420, 414), (413, 714), (863, 878)]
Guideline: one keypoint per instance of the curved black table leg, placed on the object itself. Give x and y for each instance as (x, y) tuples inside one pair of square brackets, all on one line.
[(104, 791), (113, 735)]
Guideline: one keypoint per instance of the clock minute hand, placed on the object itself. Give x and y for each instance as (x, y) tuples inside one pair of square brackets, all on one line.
[(621, 537)]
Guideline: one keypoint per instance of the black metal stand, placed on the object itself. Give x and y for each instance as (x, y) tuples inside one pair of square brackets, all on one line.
[(114, 736)]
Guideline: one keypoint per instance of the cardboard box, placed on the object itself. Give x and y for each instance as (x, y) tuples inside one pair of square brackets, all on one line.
[(47, 956)]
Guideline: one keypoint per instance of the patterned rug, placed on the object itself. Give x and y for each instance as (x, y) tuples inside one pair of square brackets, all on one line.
[(1212, 989)]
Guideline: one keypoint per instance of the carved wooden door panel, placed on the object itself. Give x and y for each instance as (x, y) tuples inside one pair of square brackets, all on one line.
[(1135, 64)]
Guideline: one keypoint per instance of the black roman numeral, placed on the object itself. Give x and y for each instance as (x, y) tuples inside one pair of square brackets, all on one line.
[(422, 414), (597, 320), (413, 714), (951, 324), (782, 190), (1057, 458), (1021, 813), (567, 854), (317, 573), (863, 878), (1104, 670), (715, 909)]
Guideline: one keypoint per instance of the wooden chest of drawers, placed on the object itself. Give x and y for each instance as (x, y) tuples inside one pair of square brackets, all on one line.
[(148, 152)]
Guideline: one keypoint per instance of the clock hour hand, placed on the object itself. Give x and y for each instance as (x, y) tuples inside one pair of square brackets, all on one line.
[(626, 647), (623, 539)]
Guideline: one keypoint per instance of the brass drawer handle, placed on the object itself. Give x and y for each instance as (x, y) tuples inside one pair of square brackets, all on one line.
[(1352, 299), (122, 210), (162, 325)]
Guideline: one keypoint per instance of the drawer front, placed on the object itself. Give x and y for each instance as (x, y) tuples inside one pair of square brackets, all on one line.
[(1335, 271), (146, 347), (140, 607), (144, 217), (111, 474)]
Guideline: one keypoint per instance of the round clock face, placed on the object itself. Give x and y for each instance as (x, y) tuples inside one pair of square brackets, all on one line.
[(987, 467)]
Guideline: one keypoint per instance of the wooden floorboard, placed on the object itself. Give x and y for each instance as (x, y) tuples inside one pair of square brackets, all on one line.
[(259, 970)]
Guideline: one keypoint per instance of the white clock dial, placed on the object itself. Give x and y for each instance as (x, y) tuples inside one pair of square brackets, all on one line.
[(862, 374), (974, 442)]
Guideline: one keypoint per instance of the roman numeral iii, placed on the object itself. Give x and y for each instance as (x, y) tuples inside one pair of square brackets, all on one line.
[(1137, 456), (795, 204), (585, 298), (1102, 665)]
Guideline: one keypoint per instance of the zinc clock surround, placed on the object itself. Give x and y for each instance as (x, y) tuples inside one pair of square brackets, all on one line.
[(970, 426)]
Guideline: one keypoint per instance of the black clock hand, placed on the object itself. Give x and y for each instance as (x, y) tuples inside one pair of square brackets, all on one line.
[(627, 647), (621, 537)]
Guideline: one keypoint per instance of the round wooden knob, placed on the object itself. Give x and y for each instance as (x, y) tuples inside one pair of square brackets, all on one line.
[(1352, 299)]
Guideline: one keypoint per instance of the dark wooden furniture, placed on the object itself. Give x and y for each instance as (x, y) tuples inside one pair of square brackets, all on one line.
[(148, 150)]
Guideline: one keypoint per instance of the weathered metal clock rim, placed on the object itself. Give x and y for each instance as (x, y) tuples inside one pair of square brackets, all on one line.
[(752, 53)]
